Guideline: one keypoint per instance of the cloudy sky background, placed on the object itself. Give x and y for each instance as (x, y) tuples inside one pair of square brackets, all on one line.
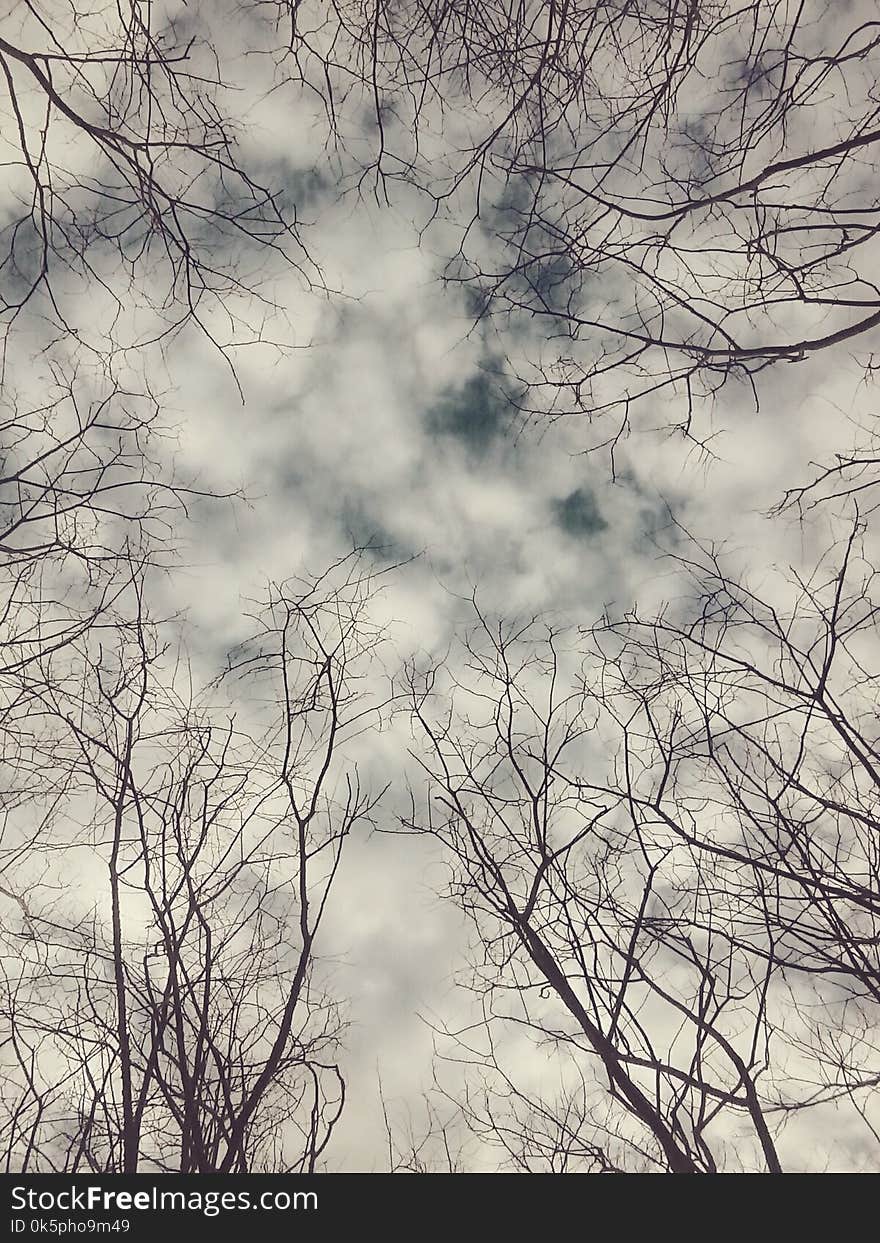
[(387, 425)]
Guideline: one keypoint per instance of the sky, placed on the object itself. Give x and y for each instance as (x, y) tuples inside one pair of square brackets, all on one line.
[(379, 414)]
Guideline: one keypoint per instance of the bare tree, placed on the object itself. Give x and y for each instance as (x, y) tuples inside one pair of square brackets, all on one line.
[(651, 199), (674, 193), (664, 832), (88, 485), (852, 476), (168, 1013), (126, 184), (165, 1013)]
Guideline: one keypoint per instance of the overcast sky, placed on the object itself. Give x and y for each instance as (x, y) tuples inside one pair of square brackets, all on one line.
[(385, 420)]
